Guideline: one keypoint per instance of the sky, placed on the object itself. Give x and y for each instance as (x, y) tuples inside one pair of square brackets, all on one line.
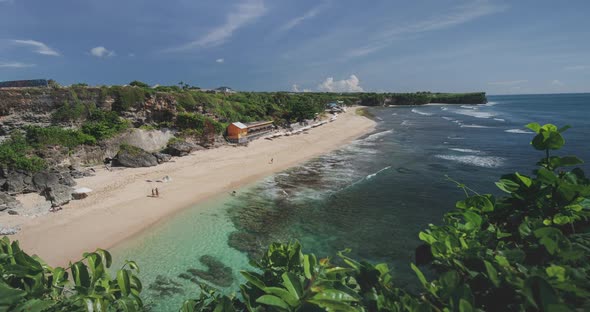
[(501, 47)]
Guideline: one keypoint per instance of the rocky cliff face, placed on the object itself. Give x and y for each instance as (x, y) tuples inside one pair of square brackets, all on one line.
[(34, 106)]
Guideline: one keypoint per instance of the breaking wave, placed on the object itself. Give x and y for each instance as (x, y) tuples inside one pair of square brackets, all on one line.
[(415, 111), (466, 150), (474, 126), (474, 113), (370, 176), (520, 131), (478, 161), (378, 135)]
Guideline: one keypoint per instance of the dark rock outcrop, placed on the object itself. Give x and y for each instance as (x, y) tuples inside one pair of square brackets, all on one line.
[(181, 148), (58, 194), (8, 202), (17, 182), (162, 157), (134, 157)]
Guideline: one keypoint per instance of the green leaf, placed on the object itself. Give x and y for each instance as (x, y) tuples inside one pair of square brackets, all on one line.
[(492, 273), (473, 219), (9, 295), (124, 282), (465, 306), (253, 279), (334, 295), (293, 284), (34, 305), (336, 306), (80, 275), (273, 301), (309, 263), (419, 274), (507, 185), (539, 293), (536, 127), (546, 176), (524, 179), (283, 294), (557, 272)]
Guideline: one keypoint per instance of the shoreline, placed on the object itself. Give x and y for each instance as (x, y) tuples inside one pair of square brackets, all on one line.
[(119, 207)]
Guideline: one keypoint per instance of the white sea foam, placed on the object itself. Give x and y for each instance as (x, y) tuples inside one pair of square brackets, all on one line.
[(474, 126), (469, 106), (479, 161), (499, 119), (457, 121), (394, 114), (415, 111), (406, 123), (491, 103), (378, 135), (474, 113), (466, 150), (370, 176), (447, 118), (455, 138), (519, 131), (443, 108)]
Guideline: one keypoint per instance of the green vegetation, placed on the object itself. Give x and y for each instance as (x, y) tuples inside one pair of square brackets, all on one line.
[(103, 125), (420, 98), (39, 137), (526, 251), (17, 153)]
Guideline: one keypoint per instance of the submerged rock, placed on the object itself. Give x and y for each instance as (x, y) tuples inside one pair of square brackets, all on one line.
[(134, 157), (165, 287), (217, 273)]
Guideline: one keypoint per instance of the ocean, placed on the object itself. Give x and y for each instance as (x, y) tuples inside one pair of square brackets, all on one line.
[(372, 196)]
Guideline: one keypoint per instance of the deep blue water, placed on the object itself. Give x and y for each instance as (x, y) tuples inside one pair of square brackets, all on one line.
[(374, 195)]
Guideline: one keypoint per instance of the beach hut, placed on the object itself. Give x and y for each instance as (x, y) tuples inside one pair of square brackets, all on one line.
[(238, 132)]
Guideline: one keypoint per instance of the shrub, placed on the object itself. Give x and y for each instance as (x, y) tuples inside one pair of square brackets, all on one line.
[(126, 97), (137, 83), (15, 153), (39, 137), (103, 125)]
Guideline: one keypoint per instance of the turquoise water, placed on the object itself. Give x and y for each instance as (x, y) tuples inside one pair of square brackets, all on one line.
[(175, 245), (373, 195)]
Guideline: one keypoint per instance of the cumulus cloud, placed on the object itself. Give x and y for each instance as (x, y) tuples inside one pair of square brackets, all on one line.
[(101, 52), (219, 60), (38, 47), (242, 14), (507, 83), (352, 84), (557, 83), (15, 64)]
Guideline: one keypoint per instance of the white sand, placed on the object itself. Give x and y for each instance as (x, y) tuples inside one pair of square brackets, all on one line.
[(119, 206)]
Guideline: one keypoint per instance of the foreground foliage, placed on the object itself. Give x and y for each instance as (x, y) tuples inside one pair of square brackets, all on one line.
[(526, 251), (28, 284)]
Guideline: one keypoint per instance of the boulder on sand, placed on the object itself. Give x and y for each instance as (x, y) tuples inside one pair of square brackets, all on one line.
[(134, 157), (182, 148), (162, 157), (58, 194), (8, 202)]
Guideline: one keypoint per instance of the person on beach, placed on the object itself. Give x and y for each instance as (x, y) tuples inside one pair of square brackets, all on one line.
[(157, 192), (271, 161), (153, 193)]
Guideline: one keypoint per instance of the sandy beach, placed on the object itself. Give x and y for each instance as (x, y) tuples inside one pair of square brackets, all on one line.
[(119, 206)]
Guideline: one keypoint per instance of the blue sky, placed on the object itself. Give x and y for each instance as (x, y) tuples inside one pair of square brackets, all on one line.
[(322, 45)]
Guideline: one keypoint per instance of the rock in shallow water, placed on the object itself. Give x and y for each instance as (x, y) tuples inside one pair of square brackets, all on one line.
[(217, 273)]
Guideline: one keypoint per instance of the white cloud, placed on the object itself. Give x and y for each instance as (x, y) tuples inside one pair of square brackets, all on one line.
[(459, 15), (577, 67), (295, 88), (557, 83), (15, 65), (39, 47), (242, 14), (309, 14), (219, 60), (101, 52), (346, 85), (507, 83)]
